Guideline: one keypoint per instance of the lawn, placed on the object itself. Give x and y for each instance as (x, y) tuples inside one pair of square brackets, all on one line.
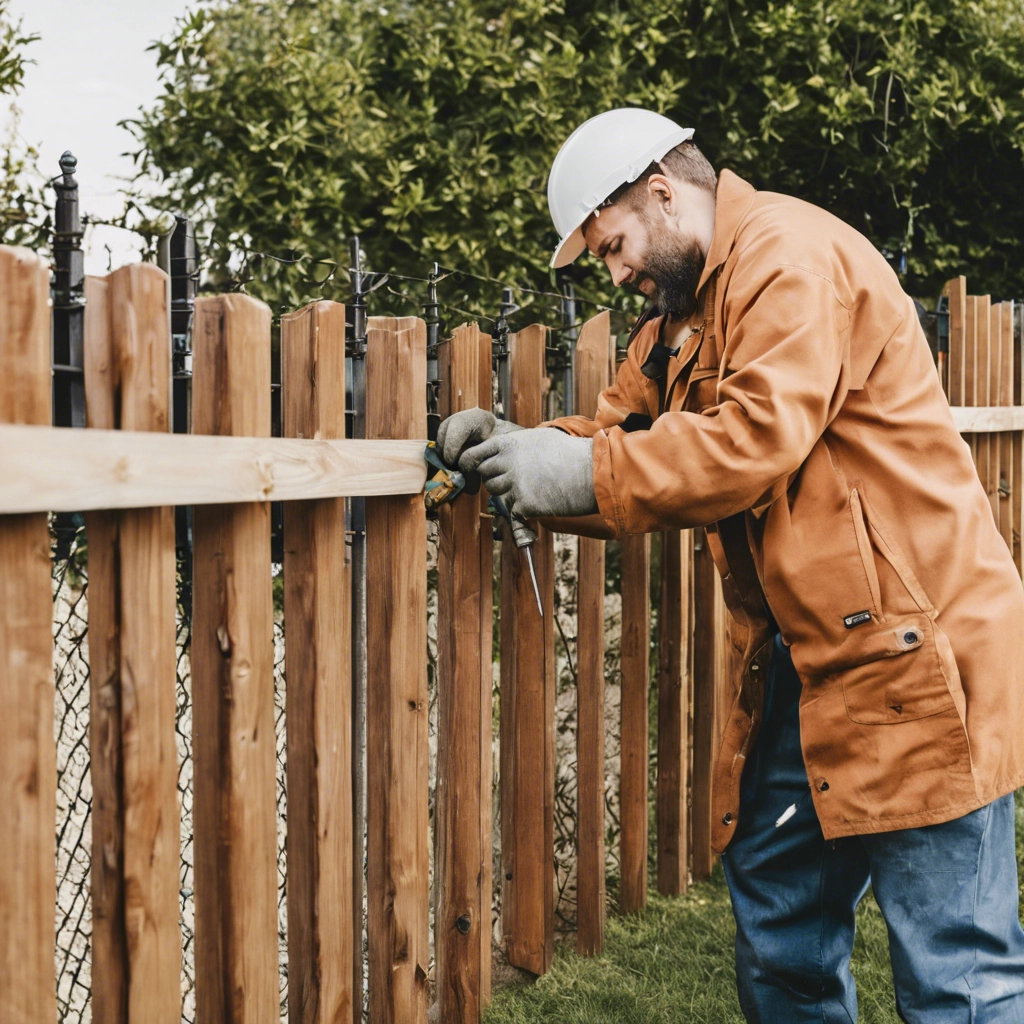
[(674, 965)]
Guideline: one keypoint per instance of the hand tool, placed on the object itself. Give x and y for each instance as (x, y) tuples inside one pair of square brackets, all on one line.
[(447, 484)]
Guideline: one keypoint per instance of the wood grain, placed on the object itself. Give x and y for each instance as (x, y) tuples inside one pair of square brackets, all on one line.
[(486, 705), (957, 341), (109, 944), (318, 667), (634, 742), (1002, 341), (527, 707), (463, 908), (62, 470), (28, 777), (675, 695), (396, 711), (706, 642), (590, 379), (234, 813), (146, 602)]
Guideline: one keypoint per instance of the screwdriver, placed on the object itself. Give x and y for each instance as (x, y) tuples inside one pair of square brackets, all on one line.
[(523, 537)]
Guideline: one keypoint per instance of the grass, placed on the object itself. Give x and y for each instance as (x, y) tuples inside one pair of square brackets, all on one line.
[(674, 964)]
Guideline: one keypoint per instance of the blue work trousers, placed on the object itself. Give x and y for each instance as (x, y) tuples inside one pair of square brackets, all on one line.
[(948, 894)]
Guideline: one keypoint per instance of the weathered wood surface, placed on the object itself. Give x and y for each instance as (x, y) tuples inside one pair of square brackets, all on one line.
[(109, 947), (1002, 396), (591, 378), (234, 812), (396, 712), (635, 654), (463, 914), (28, 774), (987, 420), (527, 707), (957, 369), (487, 704), (706, 642), (675, 695), (132, 605), (318, 667), (63, 470)]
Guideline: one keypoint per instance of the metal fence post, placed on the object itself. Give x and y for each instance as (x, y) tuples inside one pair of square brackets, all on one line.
[(68, 300)]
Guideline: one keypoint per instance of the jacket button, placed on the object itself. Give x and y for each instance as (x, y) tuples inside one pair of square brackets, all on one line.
[(824, 786), (727, 820), (910, 638), (754, 667)]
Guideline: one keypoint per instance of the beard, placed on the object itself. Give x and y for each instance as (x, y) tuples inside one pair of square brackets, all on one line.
[(675, 267)]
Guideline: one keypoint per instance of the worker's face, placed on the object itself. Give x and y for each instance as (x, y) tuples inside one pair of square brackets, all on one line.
[(659, 249)]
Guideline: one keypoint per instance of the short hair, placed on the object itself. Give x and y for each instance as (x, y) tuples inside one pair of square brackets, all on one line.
[(684, 163)]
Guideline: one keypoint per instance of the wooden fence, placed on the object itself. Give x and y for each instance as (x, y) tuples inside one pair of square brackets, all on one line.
[(126, 472)]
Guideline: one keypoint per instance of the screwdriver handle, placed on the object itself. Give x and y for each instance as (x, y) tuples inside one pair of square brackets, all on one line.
[(521, 533)]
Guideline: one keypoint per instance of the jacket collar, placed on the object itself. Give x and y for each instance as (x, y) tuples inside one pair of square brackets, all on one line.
[(733, 200)]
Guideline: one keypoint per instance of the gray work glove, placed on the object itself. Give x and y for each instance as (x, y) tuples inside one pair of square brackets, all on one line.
[(539, 472), (467, 429)]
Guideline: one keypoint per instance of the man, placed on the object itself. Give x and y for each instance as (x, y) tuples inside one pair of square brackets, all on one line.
[(785, 399)]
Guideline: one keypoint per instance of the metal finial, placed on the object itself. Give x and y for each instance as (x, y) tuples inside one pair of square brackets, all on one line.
[(68, 165)]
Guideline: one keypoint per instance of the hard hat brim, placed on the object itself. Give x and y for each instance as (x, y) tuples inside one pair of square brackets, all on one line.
[(569, 248)]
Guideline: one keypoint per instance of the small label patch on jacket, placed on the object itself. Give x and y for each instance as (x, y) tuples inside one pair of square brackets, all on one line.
[(856, 619)]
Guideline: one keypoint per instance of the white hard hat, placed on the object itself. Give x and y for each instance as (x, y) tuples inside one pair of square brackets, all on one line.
[(602, 154)]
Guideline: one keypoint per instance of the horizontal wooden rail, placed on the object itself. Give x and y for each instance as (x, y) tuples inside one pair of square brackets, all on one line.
[(55, 469), (991, 419)]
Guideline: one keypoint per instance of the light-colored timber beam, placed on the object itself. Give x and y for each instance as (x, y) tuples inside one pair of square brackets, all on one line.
[(59, 469), (981, 419)]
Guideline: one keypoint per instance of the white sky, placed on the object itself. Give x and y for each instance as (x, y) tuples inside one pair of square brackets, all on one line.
[(91, 70)]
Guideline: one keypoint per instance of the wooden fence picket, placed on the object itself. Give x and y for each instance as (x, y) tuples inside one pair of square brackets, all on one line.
[(132, 605), (318, 669), (675, 696), (462, 922), (396, 705), (705, 693), (234, 808), (633, 733), (527, 706), (590, 379), (28, 773)]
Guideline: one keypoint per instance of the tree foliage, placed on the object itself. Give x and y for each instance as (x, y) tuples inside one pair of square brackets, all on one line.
[(24, 218), (429, 127)]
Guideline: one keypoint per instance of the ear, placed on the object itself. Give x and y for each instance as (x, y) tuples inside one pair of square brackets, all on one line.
[(662, 191)]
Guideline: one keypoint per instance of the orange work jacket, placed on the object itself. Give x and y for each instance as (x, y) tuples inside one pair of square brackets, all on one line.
[(805, 427)]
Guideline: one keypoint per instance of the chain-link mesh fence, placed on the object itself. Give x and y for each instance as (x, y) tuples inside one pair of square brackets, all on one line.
[(74, 789)]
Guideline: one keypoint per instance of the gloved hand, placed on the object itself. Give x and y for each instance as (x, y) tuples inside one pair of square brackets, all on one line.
[(539, 472), (466, 429)]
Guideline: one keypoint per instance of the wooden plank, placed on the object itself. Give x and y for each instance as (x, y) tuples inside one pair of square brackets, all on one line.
[(957, 369), (109, 943), (705, 679), (675, 686), (486, 705), (970, 364), (1017, 447), (146, 601), (634, 742), (234, 809), (989, 419), (396, 710), (28, 772), (1002, 343), (463, 908), (527, 707), (987, 387), (63, 470), (318, 667), (590, 379)]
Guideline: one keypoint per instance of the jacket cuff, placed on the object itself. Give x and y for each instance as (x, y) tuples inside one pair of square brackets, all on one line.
[(608, 503)]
